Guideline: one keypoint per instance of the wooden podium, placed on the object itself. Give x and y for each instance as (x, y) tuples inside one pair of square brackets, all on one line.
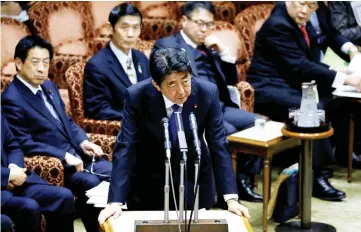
[(133, 221)]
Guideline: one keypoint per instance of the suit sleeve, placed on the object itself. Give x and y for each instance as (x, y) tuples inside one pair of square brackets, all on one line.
[(124, 154), (217, 144), (11, 146), (18, 125), (77, 132), (339, 19), (5, 175), (96, 95), (230, 72), (283, 44)]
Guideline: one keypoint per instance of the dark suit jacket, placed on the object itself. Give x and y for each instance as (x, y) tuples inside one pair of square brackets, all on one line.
[(141, 143), (226, 72), (105, 83), (282, 61), (11, 153), (35, 128), (329, 36)]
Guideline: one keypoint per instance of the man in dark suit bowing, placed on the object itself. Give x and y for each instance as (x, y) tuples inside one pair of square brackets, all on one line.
[(25, 195), (211, 61), (113, 69), (139, 153), (285, 56), (35, 112)]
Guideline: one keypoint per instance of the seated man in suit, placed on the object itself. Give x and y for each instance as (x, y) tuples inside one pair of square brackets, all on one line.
[(25, 195), (113, 69), (343, 19), (211, 61), (141, 139), (284, 58), (35, 111)]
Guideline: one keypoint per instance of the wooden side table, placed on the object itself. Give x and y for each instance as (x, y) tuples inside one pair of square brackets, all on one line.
[(305, 165), (351, 135), (265, 150)]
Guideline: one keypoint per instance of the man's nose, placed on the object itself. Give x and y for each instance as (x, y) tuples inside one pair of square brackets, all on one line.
[(41, 67), (180, 90)]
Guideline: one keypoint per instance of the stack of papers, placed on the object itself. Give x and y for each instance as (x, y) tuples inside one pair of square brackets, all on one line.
[(271, 131), (98, 196)]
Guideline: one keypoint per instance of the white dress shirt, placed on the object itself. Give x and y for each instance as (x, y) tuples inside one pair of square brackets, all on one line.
[(126, 61)]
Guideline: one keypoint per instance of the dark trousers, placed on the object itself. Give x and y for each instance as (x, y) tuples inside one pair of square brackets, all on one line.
[(79, 182), (6, 224), (30, 201), (236, 120)]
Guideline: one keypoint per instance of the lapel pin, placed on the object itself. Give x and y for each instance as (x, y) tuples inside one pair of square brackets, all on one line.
[(50, 93)]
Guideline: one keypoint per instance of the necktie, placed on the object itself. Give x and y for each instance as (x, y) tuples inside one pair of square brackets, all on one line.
[(173, 126), (202, 49), (39, 94), (305, 34)]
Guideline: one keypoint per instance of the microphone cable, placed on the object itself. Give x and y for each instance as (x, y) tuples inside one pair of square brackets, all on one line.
[(174, 197)]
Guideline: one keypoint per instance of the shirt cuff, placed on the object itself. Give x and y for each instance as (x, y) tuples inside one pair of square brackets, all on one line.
[(230, 196), (117, 203), (227, 57), (345, 48), (339, 80)]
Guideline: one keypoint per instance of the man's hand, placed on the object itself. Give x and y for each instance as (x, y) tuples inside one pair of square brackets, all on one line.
[(235, 207), (213, 42), (112, 209), (17, 176), (354, 79), (91, 149), (10, 186), (353, 52), (72, 160)]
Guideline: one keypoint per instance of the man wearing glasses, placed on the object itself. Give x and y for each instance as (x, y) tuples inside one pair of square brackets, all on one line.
[(211, 61), (113, 69)]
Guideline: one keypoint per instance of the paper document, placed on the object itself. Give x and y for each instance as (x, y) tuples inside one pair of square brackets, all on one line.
[(98, 196), (350, 94), (334, 61), (271, 131)]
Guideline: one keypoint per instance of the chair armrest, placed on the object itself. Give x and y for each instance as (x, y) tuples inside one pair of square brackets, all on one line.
[(49, 168), (106, 142), (103, 127), (247, 95)]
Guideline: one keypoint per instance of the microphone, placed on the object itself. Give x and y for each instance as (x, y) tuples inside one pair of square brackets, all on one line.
[(167, 143), (181, 135), (194, 127)]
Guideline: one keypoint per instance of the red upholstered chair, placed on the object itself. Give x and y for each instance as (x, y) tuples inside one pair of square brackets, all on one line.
[(67, 26), (249, 21), (12, 31), (74, 77), (154, 29), (158, 9), (225, 11)]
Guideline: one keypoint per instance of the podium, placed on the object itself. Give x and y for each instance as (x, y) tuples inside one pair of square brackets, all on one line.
[(129, 221)]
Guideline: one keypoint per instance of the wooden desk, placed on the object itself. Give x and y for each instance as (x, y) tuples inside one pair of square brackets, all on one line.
[(125, 222), (265, 150), (351, 135)]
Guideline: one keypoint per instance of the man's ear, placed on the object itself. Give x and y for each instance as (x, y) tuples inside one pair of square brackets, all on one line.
[(18, 64), (184, 20), (156, 86)]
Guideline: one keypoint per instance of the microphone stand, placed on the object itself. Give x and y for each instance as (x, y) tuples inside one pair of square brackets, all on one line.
[(181, 192), (166, 191), (196, 189)]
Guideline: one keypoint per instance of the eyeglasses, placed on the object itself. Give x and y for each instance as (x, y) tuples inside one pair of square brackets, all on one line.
[(92, 168), (201, 24)]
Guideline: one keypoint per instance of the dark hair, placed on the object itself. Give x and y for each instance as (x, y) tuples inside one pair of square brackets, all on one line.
[(123, 10), (190, 6), (163, 62), (31, 41)]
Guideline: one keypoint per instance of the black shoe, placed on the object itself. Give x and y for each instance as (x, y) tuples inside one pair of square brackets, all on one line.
[(322, 189), (245, 192), (356, 161)]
